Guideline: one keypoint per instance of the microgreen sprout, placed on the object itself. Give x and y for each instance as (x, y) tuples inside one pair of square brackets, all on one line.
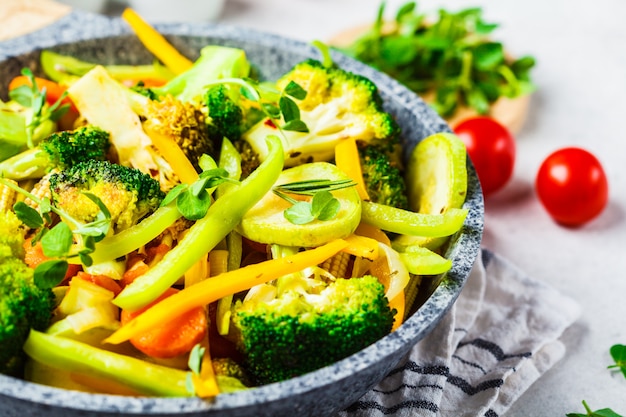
[(605, 412), (30, 96), (195, 358), (618, 353), (193, 200), (323, 206), (195, 365)]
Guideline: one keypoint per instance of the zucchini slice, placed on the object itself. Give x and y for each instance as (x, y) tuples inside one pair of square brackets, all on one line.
[(266, 223)]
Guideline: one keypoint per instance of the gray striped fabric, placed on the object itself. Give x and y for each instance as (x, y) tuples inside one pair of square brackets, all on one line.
[(499, 337)]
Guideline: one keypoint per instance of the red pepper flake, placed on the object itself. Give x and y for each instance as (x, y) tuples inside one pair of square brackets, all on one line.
[(270, 123)]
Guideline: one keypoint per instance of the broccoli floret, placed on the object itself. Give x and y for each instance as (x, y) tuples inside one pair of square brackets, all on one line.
[(23, 305), (141, 89), (60, 150), (185, 123), (339, 104), (11, 236), (226, 117), (383, 179), (299, 332), (128, 193)]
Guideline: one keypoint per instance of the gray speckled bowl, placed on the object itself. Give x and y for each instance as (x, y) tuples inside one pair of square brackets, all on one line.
[(323, 392)]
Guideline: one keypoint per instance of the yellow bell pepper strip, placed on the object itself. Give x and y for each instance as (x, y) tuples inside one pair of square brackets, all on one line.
[(156, 43), (73, 356), (223, 215), (172, 153), (362, 246), (407, 222), (231, 282), (398, 302), (367, 230), (347, 159)]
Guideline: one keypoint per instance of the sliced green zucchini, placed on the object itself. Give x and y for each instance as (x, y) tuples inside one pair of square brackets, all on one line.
[(436, 178), (266, 223)]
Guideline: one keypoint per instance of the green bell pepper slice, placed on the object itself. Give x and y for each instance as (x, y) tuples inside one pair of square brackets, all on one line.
[(406, 222), (61, 68), (73, 356)]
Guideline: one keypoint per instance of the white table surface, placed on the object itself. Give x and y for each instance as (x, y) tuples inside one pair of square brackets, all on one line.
[(581, 76)]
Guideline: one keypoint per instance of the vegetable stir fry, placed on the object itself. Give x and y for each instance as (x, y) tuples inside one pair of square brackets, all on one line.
[(187, 230)]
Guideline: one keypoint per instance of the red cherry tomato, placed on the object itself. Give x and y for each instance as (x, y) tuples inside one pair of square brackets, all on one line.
[(572, 186), (491, 147)]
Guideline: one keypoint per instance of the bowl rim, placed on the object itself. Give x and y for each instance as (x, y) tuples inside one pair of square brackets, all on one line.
[(82, 26)]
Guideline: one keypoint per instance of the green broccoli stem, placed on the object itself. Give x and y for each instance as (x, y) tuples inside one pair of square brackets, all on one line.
[(70, 355), (30, 164), (406, 222), (128, 240), (206, 233)]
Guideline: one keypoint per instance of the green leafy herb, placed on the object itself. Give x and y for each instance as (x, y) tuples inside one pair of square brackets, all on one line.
[(30, 96), (451, 56), (605, 412), (294, 90), (195, 365), (189, 384), (323, 206), (28, 215), (49, 274), (58, 241), (618, 353), (195, 358), (193, 200)]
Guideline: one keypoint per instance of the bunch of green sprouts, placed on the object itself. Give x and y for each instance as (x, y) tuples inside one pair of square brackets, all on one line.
[(31, 97), (67, 239)]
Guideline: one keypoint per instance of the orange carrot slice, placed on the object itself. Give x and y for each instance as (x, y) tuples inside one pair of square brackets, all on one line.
[(173, 337)]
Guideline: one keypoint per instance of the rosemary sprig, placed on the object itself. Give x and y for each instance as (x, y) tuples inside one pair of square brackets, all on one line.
[(310, 187)]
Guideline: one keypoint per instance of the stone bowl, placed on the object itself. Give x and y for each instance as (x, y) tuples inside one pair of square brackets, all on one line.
[(327, 390)]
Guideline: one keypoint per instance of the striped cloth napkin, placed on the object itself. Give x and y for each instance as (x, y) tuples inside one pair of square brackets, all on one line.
[(498, 338)]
